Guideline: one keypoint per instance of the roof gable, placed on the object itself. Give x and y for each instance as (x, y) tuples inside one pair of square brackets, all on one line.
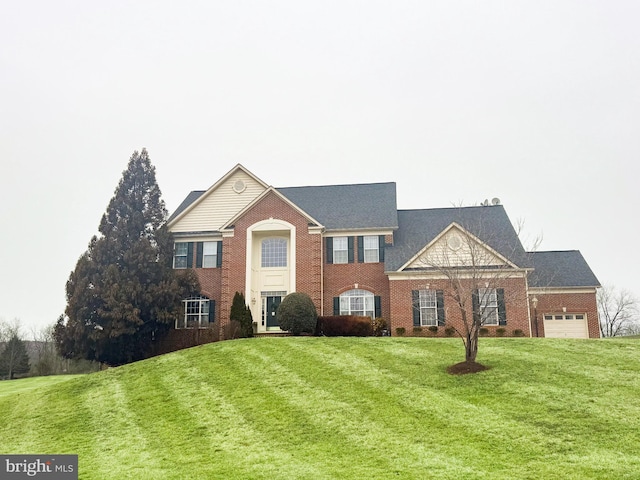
[(209, 210), (312, 221), (419, 228), (455, 247)]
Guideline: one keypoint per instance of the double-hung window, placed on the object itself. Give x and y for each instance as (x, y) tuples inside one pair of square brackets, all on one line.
[(428, 308), (371, 249), (340, 250), (488, 300), (180, 255), (209, 254)]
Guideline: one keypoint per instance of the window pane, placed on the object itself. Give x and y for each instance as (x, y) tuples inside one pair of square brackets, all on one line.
[(371, 249), (357, 302), (340, 250), (274, 252)]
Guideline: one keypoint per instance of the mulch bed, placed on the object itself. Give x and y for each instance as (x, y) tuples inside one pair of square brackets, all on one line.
[(463, 368)]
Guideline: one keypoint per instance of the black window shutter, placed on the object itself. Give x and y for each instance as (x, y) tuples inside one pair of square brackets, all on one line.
[(415, 304), (329, 241), (360, 249), (190, 255), (502, 311), (475, 304), (212, 311), (440, 305), (381, 248), (199, 251), (377, 301), (219, 255), (336, 305), (350, 247)]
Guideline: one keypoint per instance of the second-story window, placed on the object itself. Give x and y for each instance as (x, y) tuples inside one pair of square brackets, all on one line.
[(274, 252)]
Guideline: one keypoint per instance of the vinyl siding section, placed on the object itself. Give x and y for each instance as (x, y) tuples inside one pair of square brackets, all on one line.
[(219, 205)]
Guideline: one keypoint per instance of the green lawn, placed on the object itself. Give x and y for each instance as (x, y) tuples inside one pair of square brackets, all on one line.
[(336, 408)]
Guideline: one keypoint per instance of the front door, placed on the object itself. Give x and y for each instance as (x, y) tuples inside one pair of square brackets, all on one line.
[(270, 304)]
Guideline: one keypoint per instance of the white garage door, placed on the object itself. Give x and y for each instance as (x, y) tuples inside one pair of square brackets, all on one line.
[(565, 325)]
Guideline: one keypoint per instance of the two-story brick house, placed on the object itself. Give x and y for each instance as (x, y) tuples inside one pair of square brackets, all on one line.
[(354, 252)]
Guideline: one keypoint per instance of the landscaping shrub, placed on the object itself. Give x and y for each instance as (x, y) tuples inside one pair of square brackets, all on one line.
[(241, 313), (417, 330), (500, 332), (484, 332), (379, 326), (400, 331), (297, 314), (449, 331), (518, 333), (344, 326), (433, 329)]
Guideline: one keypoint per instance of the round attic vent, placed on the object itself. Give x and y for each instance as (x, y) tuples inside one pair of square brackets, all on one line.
[(454, 242), (239, 186)]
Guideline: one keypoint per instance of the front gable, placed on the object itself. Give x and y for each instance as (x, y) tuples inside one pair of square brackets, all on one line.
[(265, 205), (455, 247), (222, 201)]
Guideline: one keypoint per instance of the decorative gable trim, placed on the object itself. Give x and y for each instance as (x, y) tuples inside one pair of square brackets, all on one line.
[(440, 237), (314, 225)]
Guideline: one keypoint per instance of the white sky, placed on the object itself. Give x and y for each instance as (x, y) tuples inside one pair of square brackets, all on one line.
[(534, 102)]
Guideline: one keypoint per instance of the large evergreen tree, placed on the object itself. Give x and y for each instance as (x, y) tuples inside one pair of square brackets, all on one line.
[(14, 358), (123, 293)]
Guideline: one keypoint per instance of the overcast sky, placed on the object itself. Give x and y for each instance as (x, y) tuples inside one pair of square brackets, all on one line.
[(534, 102)]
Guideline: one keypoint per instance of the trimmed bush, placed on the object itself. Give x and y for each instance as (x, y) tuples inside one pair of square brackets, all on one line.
[(417, 330), (297, 314), (344, 326), (518, 333), (379, 326), (400, 331), (433, 329), (500, 332), (484, 332), (241, 313), (449, 331)]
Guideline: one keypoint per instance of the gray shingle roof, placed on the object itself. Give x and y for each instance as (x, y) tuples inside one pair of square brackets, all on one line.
[(561, 269), (340, 207), (192, 197), (416, 228)]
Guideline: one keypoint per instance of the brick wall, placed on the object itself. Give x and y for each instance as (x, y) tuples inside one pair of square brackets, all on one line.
[(234, 252), (402, 307)]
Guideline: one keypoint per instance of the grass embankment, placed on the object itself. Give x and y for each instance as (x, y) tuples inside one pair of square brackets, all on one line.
[(321, 408)]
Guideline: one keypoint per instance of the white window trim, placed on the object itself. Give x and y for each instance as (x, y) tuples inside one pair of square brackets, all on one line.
[(371, 250), (202, 313), (338, 253), (424, 298), (366, 296), (488, 305)]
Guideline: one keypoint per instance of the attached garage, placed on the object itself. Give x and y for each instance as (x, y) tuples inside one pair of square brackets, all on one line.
[(566, 325)]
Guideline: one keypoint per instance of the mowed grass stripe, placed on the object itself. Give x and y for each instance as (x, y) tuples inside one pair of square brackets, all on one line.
[(235, 448), (441, 421), (359, 418), (344, 408)]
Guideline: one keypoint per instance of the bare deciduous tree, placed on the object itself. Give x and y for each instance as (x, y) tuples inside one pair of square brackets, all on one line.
[(477, 257), (618, 311)]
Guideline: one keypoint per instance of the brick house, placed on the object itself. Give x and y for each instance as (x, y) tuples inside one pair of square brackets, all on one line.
[(354, 252)]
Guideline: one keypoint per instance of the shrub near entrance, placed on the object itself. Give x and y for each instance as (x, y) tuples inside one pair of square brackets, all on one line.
[(297, 314)]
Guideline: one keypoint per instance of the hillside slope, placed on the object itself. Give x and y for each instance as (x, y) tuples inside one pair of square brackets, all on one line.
[(335, 408)]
